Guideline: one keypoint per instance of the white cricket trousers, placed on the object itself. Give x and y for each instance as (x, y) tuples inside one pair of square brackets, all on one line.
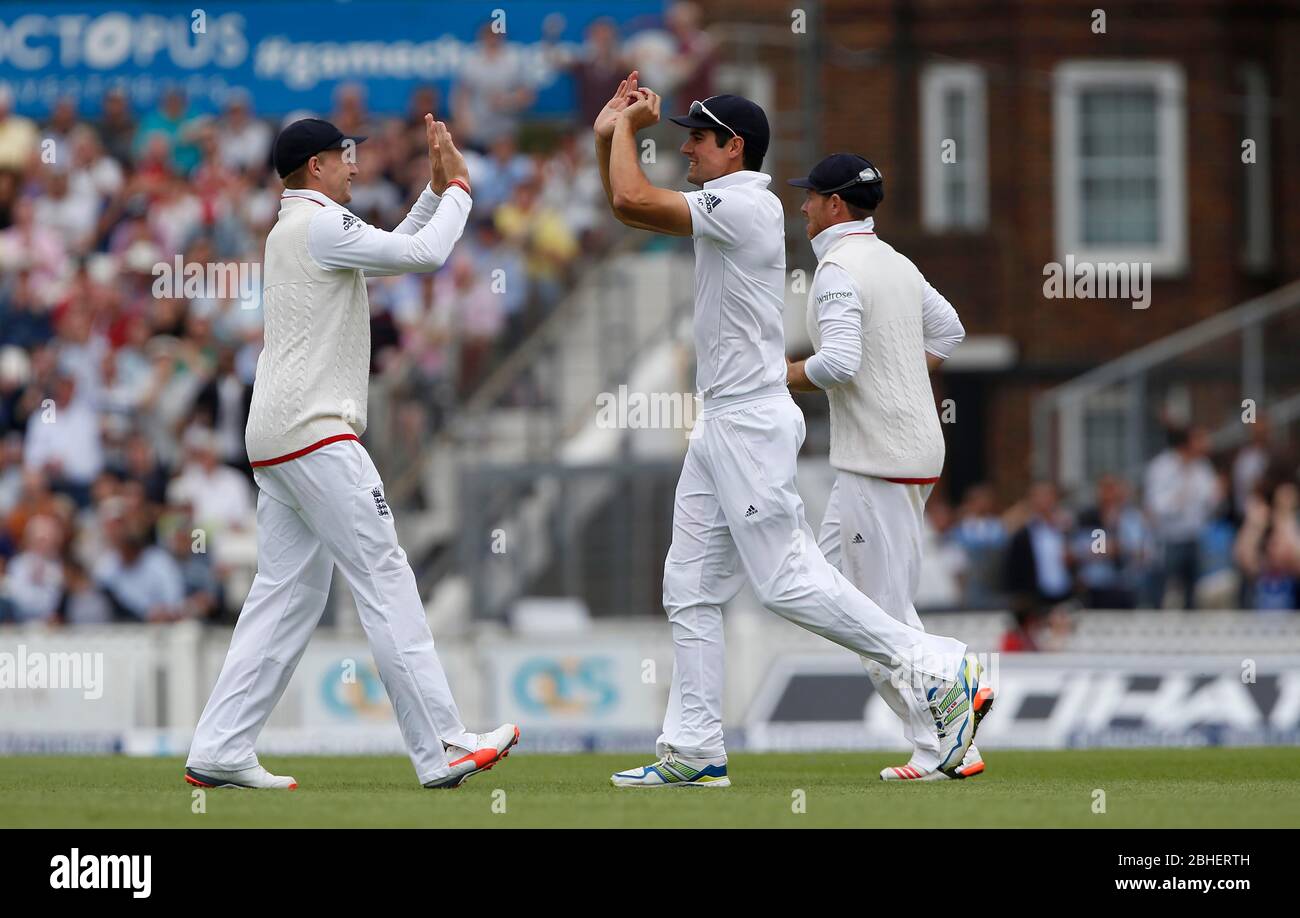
[(738, 514), (325, 508), (874, 531)]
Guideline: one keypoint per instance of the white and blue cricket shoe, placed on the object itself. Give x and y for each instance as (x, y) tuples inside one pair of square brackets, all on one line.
[(952, 704), (674, 770)]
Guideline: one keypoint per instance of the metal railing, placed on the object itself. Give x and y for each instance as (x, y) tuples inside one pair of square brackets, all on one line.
[(1220, 372), (596, 532)]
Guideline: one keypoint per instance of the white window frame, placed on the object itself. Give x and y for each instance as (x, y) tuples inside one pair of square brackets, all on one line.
[(1169, 255), (1257, 203), (936, 81)]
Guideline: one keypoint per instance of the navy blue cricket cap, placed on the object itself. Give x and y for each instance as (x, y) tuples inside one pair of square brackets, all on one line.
[(736, 114), (304, 139), (850, 176)]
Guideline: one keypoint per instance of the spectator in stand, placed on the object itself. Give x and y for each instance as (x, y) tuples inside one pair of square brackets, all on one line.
[(11, 477), (426, 325), (58, 132), (74, 216), (36, 249), (499, 173), (982, 536), (491, 93), (95, 174), (695, 58), (548, 245), (24, 316), (37, 500), (376, 198), (350, 114), (599, 65), (1250, 465), (201, 583), (504, 260), (245, 140), (1113, 548), (63, 441), (142, 581), (480, 315), (1036, 568), (173, 124), (943, 563), (117, 128), (83, 602), (139, 463), (33, 581), (571, 187), (1182, 493), (1267, 550), (219, 498), (18, 135)]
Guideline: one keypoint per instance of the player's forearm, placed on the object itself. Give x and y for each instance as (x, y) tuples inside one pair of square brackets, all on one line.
[(379, 253), (422, 212), (629, 187), (603, 145), (796, 377), (433, 242)]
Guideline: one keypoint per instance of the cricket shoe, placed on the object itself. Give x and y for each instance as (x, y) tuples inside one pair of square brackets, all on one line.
[(673, 770), (252, 777), (983, 704), (970, 766), (910, 772), (952, 705), (490, 748)]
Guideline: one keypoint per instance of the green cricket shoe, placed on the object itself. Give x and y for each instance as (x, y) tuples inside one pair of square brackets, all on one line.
[(675, 771)]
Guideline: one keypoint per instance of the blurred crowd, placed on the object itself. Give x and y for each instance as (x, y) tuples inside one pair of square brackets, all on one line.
[(1197, 532), (125, 493)]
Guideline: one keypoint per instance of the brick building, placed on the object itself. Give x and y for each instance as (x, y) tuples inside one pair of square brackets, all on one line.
[(1094, 131)]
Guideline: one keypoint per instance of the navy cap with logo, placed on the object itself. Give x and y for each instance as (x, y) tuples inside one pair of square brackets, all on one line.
[(304, 139), (850, 176), (735, 114)]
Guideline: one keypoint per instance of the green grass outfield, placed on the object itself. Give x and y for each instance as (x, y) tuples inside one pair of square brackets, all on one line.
[(1147, 787)]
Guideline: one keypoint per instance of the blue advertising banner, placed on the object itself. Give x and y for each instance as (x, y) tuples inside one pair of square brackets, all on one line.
[(289, 55)]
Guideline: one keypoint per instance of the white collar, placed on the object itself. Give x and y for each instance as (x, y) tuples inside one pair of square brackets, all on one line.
[(744, 176), (308, 194), (822, 242)]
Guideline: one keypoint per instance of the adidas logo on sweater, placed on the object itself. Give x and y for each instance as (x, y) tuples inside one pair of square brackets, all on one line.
[(858, 540), (752, 511)]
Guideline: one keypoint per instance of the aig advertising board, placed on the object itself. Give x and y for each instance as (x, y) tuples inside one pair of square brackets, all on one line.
[(1048, 701)]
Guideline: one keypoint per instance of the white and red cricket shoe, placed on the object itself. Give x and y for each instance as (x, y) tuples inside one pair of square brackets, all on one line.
[(465, 763)]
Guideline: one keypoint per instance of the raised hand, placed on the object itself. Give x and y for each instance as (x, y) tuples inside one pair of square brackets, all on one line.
[(644, 111), (438, 180), (622, 98), (453, 161)]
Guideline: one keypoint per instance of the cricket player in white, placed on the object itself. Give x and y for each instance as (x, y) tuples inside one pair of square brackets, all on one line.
[(738, 513), (321, 501), (878, 327)]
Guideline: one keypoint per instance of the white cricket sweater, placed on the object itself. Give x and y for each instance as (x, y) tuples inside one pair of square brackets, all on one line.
[(314, 370), (883, 420)]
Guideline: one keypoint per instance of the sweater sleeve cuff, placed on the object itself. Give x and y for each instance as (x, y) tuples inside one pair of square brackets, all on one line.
[(812, 368)]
